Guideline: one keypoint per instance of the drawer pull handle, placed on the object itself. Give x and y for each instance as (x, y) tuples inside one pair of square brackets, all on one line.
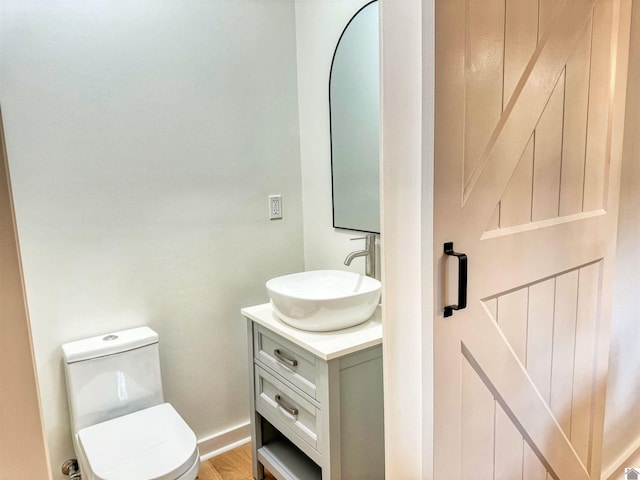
[(285, 407), (289, 361)]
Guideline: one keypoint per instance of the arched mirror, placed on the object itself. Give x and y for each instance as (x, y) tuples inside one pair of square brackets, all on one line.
[(354, 103)]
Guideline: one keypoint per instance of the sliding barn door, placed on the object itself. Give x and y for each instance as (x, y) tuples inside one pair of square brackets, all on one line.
[(526, 185)]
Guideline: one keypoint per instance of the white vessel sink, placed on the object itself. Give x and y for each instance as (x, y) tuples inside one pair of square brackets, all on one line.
[(323, 300)]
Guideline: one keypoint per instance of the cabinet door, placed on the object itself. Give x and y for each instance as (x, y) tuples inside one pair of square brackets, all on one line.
[(292, 414), (293, 363)]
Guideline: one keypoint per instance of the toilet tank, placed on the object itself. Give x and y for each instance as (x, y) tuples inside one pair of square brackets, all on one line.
[(111, 375)]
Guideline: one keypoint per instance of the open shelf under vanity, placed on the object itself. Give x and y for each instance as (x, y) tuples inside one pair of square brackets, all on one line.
[(283, 459)]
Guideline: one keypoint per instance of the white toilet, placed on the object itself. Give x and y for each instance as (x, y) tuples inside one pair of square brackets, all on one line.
[(121, 427)]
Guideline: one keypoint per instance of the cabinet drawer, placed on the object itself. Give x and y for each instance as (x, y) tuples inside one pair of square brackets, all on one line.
[(288, 411), (285, 358)]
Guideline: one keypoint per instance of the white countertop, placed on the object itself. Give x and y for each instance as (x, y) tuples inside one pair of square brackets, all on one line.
[(326, 345)]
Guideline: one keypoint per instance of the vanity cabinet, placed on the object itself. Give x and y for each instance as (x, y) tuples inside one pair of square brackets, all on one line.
[(316, 399)]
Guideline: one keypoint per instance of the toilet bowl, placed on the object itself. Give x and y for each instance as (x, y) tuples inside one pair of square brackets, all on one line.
[(154, 443), (122, 428)]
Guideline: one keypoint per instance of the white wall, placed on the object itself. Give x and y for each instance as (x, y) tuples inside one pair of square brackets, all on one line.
[(319, 25), (144, 138), (622, 419)]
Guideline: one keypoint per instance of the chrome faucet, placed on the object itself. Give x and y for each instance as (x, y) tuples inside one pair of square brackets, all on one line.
[(369, 252)]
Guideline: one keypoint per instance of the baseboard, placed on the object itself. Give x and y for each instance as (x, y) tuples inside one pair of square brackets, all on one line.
[(220, 442), (629, 458)]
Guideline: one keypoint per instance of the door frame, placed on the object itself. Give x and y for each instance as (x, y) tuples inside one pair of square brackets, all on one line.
[(407, 125), (23, 448)]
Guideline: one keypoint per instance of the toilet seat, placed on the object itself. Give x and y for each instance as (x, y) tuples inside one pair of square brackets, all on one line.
[(151, 444)]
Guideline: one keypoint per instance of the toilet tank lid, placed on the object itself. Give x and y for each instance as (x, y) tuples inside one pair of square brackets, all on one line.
[(108, 344)]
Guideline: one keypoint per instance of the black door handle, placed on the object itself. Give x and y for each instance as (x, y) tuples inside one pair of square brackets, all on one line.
[(462, 280)]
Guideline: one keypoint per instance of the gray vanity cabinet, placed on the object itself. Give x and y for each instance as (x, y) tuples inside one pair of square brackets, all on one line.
[(311, 417)]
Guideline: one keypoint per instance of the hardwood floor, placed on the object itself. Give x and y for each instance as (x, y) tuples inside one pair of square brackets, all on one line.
[(232, 465)]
